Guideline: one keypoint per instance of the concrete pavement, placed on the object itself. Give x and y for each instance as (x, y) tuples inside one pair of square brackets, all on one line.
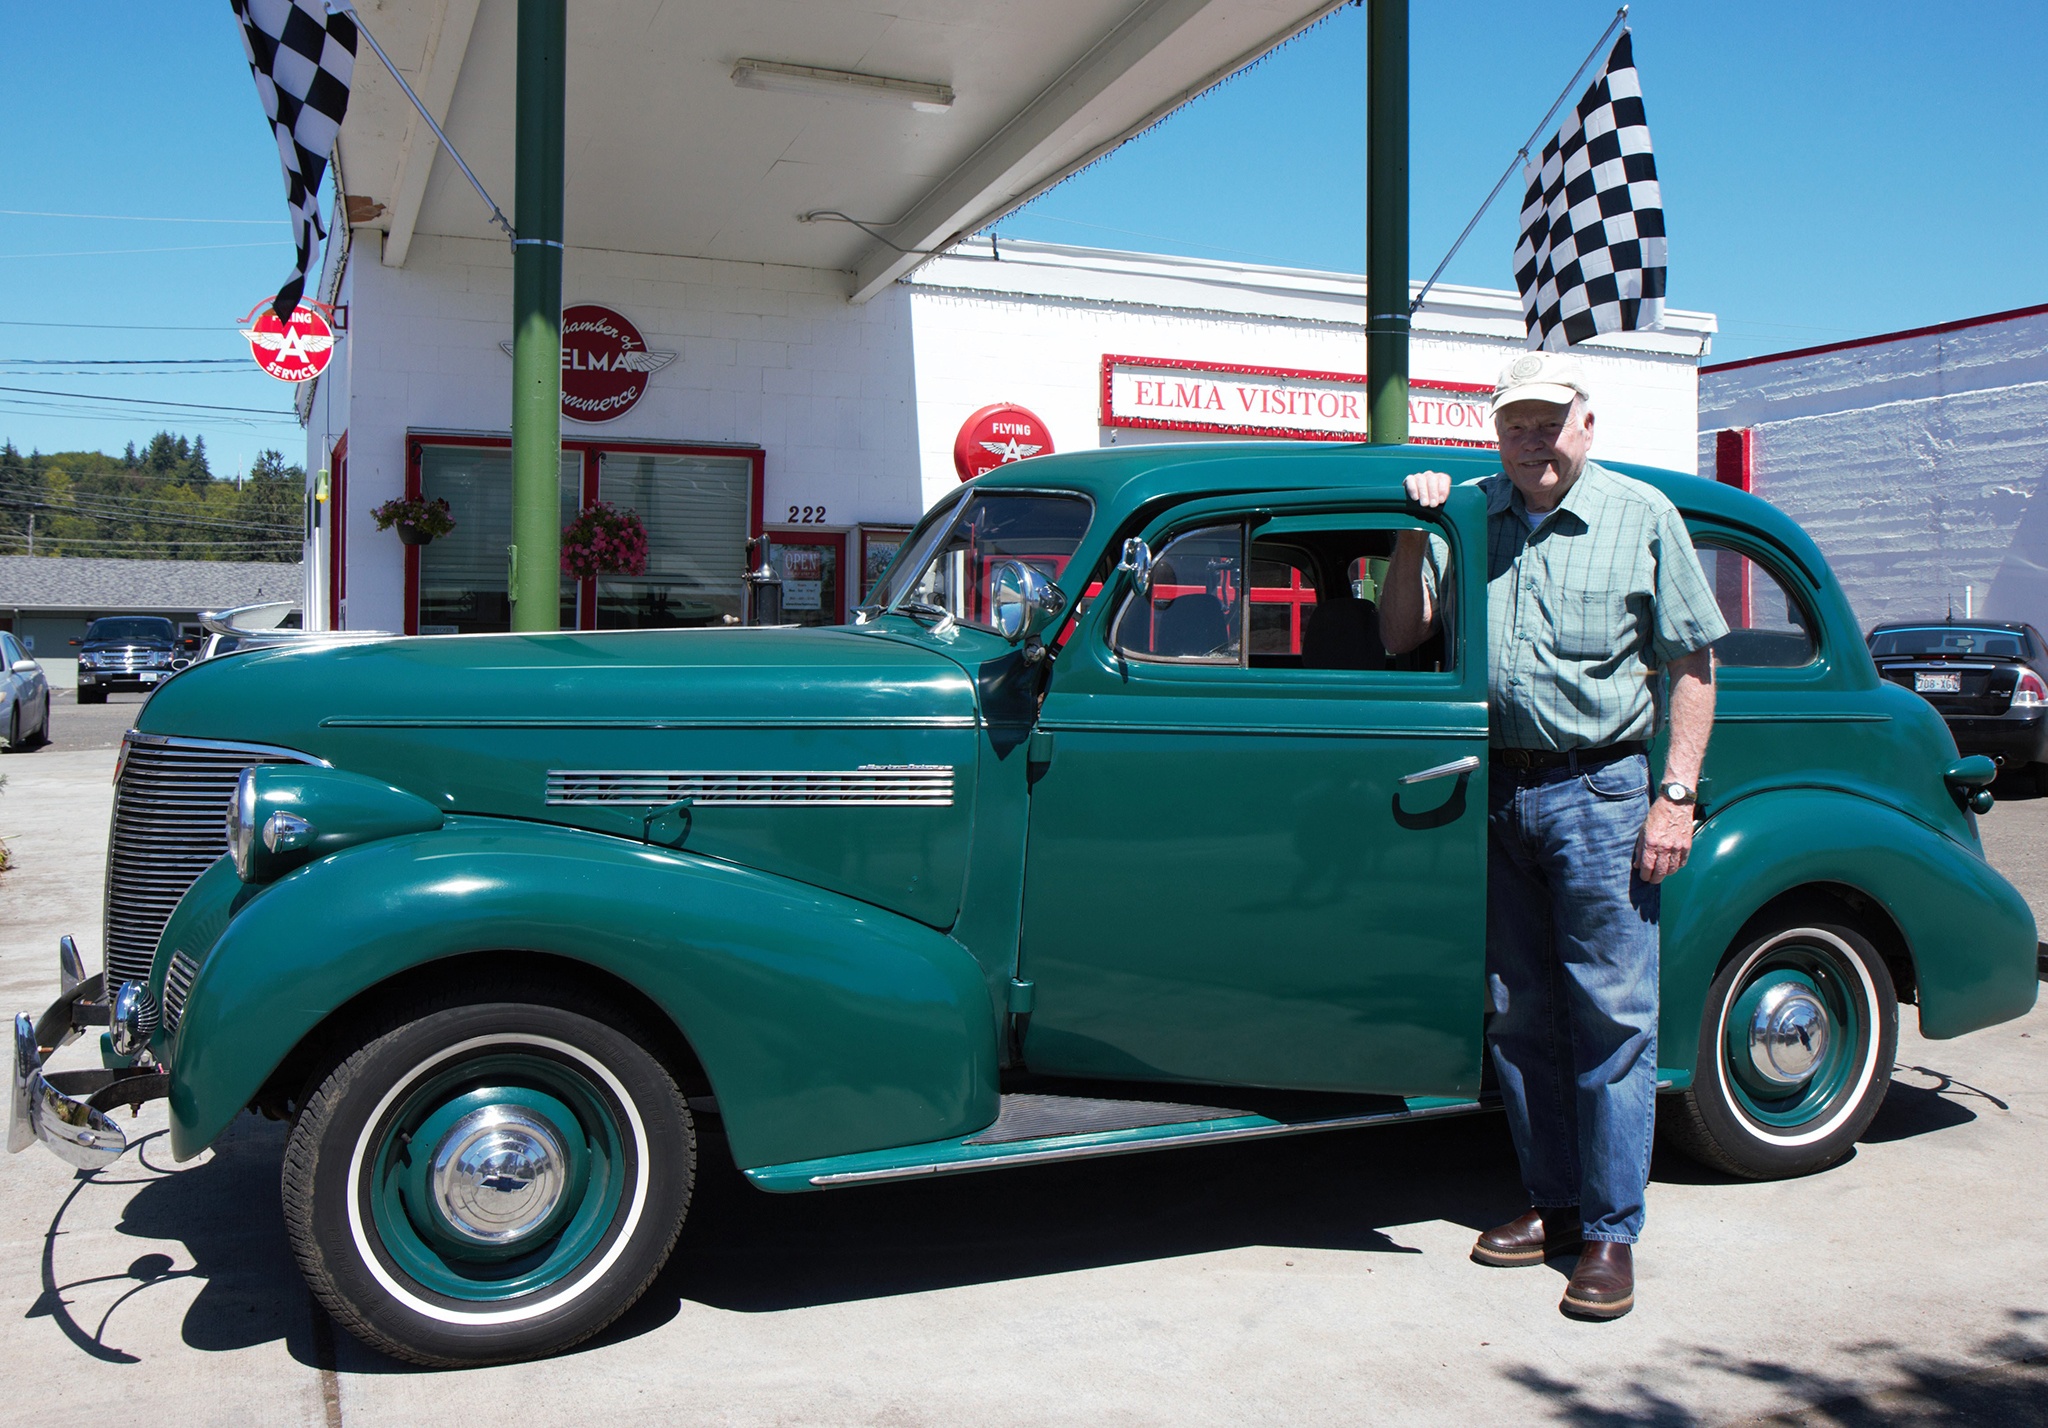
[(1320, 1280)]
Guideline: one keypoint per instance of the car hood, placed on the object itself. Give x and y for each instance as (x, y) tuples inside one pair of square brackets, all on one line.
[(542, 727)]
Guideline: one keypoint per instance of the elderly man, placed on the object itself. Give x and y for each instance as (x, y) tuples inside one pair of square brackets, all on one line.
[(1593, 591)]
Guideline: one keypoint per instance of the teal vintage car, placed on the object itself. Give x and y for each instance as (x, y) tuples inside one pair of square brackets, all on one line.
[(1109, 825)]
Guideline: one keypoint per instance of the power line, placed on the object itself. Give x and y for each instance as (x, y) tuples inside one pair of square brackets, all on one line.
[(124, 252), (157, 518), (127, 362), (139, 218), (117, 326), (145, 402)]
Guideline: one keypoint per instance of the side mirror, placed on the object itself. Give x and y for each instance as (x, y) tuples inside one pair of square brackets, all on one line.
[(1024, 602), (1137, 559), (75, 643), (24, 666)]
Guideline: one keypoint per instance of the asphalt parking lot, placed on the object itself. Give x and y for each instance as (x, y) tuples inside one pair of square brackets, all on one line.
[(1312, 1281)]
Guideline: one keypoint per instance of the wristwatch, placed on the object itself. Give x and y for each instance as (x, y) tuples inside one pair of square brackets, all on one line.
[(1672, 791)]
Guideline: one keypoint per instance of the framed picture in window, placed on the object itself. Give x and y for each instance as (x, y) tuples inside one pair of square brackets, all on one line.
[(878, 546)]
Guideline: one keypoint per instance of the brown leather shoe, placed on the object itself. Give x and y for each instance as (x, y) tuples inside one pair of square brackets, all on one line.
[(1604, 1284), (1530, 1238)]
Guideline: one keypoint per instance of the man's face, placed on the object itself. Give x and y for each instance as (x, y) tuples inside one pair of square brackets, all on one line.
[(1543, 447)]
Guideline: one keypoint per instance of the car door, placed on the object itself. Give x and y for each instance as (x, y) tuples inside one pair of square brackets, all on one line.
[(1244, 870)]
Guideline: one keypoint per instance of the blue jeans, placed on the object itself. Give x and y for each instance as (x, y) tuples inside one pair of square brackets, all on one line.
[(1571, 963)]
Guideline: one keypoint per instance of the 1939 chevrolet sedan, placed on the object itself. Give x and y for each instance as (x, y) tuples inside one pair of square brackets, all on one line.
[(1110, 825)]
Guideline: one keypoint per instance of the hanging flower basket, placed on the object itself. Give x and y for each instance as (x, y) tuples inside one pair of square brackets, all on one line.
[(417, 519), (604, 540)]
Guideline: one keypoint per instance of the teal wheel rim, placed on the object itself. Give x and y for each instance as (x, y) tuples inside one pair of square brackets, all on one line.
[(1818, 974), (569, 1112)]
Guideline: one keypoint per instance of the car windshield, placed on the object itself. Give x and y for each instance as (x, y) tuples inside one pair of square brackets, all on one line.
[(133, 627), (1947, 640), (949, 563)]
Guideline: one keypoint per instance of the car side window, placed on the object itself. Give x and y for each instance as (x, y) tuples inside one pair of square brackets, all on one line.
[(1304, 596), (1768, 626), (10, 652), (1193, 610)]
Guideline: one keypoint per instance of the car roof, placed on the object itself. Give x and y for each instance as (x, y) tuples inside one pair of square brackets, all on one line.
[(1123, 478)]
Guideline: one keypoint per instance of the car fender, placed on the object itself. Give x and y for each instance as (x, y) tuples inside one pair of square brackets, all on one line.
[(825, 1025), (1969, 932)]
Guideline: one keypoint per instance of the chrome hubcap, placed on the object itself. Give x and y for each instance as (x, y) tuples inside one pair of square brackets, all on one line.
[(498, 1174), (1788, 1034)]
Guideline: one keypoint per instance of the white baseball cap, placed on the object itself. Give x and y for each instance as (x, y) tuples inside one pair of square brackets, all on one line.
[(1540, 377)]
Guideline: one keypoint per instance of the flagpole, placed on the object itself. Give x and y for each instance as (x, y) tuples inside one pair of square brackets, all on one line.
[(1521, 155), (348, 8), (533, 575), (1386, 223)]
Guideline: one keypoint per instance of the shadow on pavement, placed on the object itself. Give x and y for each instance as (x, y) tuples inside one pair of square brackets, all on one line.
[(2013, 1393), (749, 1252)]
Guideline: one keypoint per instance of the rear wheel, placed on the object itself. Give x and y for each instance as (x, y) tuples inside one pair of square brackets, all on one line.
[(1796, 1048), (489, 1182)]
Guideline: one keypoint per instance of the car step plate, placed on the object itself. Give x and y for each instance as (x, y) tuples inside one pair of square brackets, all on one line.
[(1033, 1117)]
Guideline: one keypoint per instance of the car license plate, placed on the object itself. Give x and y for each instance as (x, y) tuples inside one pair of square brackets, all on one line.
[(151, 677), (1939, 683)]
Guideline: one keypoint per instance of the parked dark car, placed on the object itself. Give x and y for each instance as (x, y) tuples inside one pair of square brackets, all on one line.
[(124, 652), (1989, 680)]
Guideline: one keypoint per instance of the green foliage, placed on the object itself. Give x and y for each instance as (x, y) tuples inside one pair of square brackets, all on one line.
[(161, 502)]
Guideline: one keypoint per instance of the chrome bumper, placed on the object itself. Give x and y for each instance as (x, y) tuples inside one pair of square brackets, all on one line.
[(71, 1111)]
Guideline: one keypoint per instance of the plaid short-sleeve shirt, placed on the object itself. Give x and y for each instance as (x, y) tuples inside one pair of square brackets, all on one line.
[(1583, 609)]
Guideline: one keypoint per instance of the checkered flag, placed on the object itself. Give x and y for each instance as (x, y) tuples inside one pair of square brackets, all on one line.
[(303, 59), (1591, 259)]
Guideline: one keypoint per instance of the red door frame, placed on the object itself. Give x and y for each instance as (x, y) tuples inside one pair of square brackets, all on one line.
[(820, 535), (590, 454), (337, 531)]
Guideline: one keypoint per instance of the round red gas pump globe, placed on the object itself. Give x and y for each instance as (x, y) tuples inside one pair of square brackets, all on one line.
[(997, 435)]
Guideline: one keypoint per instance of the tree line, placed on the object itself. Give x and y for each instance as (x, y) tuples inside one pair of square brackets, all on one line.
[(162, 502)]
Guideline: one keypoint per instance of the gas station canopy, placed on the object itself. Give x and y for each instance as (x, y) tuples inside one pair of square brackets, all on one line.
[(707, 129)]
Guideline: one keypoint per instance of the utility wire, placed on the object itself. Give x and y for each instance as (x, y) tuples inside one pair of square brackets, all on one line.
[(123, 252), (147, 402), (142, 218)]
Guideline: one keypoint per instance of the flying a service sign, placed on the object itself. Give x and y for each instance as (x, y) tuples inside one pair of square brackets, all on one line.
[(295, 351)]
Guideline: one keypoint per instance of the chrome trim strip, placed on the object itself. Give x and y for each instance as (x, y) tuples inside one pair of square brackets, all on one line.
[(656, 721), (894, 786), (1132, 1147), (1112, 726), (223, 746)]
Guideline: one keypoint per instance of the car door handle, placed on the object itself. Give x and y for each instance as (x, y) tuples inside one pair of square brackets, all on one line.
[(1468, 764)]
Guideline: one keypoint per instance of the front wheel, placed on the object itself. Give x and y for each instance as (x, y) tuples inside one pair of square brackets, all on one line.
[(1796, 1048), (493, 1181)]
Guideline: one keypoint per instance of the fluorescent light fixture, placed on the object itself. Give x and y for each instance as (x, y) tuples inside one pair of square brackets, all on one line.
[(842, 83)]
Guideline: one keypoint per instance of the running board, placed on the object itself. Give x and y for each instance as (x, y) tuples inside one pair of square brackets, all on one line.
[(1103, 1128)]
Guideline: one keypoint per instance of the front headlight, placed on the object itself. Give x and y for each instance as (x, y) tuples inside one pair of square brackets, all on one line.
[(242, 823)]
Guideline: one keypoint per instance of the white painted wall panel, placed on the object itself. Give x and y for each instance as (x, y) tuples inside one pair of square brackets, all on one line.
[(1917, 465)]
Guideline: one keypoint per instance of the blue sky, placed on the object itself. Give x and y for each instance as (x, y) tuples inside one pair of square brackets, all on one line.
[(1829, 170)]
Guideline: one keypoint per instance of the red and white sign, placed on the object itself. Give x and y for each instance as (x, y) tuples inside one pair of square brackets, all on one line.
[(997, 435), (605, 363), (295, 351), (1234, 400)]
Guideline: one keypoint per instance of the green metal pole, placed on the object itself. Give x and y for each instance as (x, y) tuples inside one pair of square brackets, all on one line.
[(1386, 221), (535, 558)]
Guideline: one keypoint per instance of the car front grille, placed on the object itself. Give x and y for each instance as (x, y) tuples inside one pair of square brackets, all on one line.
[(170, 825), (127, 661)]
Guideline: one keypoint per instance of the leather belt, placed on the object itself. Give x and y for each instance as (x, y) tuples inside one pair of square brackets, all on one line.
[(1547, 760)]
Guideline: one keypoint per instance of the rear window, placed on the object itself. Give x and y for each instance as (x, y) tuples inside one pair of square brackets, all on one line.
[(131, 627), (1951, 640)]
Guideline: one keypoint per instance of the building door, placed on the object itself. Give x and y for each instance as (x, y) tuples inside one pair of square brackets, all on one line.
[(812, 564), (1251, 862)]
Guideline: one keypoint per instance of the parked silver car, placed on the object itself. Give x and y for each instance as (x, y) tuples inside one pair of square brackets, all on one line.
[(24, 698)]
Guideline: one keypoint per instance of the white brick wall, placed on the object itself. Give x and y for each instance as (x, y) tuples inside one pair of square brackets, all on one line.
[(1916, 464)]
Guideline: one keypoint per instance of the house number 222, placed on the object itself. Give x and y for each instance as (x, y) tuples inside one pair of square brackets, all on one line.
[(807, 515)]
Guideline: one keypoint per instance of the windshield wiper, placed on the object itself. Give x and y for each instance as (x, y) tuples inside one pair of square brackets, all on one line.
[(942, 618)]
